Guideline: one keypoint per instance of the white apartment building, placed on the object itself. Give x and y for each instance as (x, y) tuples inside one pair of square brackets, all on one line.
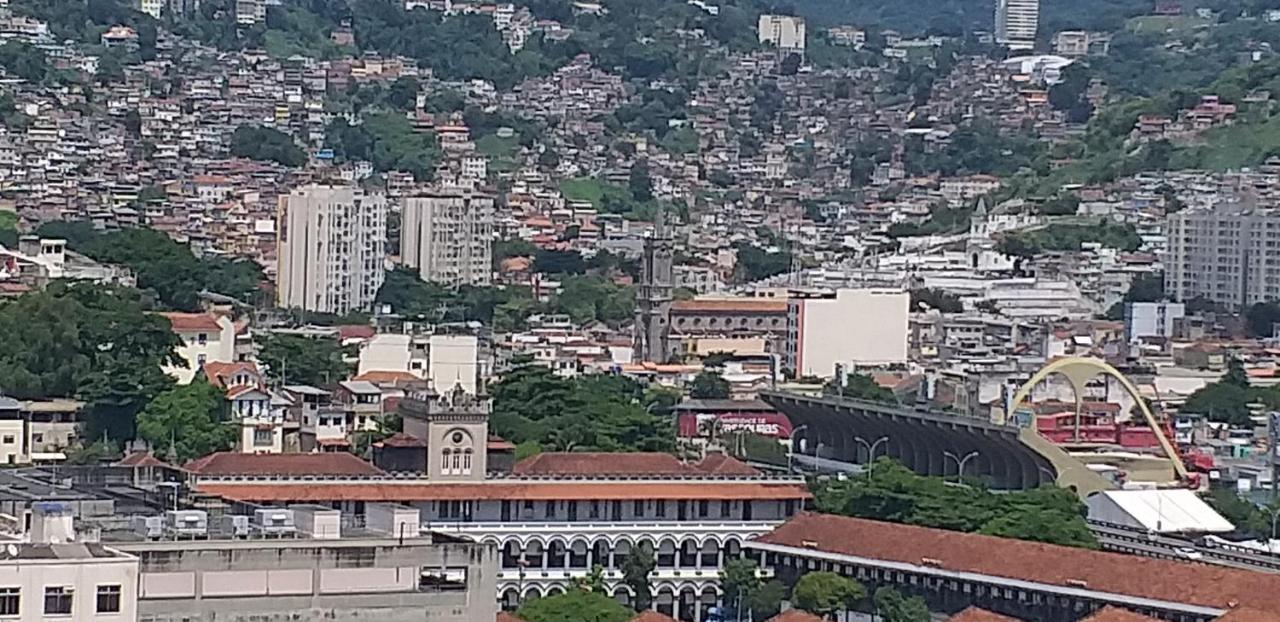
[(206, 338), (784, 32), (154, 8), (332, 248), (54, 576), (250, 12), (14, 445), (1229, 254), (1017, 22), (1151, 319), (848, 327), (444, 361), (447, 236)]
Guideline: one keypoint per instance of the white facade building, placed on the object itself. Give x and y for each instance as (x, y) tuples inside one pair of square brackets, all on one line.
[(54, 576), (784, 32), (332, 249), (1151, 319), (448, 236), (849, 327), (443, 360), (1017, 22), (206, 338)]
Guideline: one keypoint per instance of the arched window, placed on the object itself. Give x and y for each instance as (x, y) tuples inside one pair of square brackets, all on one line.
[(466, 462), (444, 460), (457, 462)]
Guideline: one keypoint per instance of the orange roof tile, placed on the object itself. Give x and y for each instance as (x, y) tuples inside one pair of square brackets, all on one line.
[(651, 616), (232, 463), (1246, 615), (318, 492), (193, 322), (724, 464), (730, 305), (507, 616), (1194, 584), (795, 615), (636, 463), (974, 614), (1116, 614), (388, 377)]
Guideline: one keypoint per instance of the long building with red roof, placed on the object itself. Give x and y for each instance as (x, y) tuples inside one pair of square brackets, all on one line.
[(1016, 578)]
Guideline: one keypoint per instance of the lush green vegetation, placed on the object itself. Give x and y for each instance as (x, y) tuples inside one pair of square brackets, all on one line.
[(298, 359), (161, 265), (266, 144), (187, 421), (862, 387), (389, 141), (1071, 237), (746, 594), (95, 343), (8, 229), (1229, 399), (826, 593), (891, 492), (603, 413), (709, 385), (575, 605), (755, 263)]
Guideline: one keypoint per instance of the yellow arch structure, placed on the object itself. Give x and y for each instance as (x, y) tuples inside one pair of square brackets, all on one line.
[(1079, 371)]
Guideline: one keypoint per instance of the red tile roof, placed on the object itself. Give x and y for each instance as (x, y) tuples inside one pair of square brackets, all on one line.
[(1247, 615), (193, 322), (400, 439), (355, 331), (1116, 614), (651, 616), (731, 305), (141, 459), (1180, 582), (319, 492), (232, 463), (507, 616), (219, 374), (795, 615), (974, 614), (724, 464), (636, 463), (388, 377)]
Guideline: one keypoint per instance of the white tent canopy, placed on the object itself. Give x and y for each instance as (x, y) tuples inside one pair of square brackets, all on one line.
[(1161, 511)]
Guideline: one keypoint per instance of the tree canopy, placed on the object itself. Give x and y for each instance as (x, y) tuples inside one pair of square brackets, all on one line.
[(298, 359), (574, 605), (709, 385), (266, 144), (186, 421), (602, 413), (91, 342), (162, 265), (891, 492), (826, 593)]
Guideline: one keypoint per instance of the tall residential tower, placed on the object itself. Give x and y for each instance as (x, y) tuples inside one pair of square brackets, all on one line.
[(448, 236), (1016, 23), (332, 249)]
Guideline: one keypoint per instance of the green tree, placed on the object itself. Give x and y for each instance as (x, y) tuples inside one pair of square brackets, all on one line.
[(766, 602), (403, 93), (574, 605), (1262, 318), (1235, 375), (709, 385), (639, 183), (636, 573), (297, 359), (932, 298), (186, 422), (266, 144), (826, 594), (1220, 401), (739, 580), (862, 387), (892, 606)]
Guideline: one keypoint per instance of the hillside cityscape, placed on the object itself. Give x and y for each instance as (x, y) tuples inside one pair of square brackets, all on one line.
[(639, 310)]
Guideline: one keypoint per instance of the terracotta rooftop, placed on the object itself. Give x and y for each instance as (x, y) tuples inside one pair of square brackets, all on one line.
[(974, 614), (507, 616), (1194, 584), (1116, 614), (319, 492), (1247, 615), (637, 463), (651, 616), (193, 322), (219, 374), (233, 463), (724, 464), (141, 459), (795, 615), (387, 377), (400, 439), (732, 305)]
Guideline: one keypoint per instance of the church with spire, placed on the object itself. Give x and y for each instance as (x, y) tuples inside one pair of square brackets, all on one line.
[(653, 297)]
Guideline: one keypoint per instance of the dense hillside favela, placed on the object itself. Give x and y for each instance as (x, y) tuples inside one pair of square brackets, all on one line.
[(639, 310)]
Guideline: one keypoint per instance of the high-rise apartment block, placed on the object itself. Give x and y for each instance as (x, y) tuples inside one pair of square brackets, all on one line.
[(784, 32), (447, 235), (1229, 255), (332, 248), (1016, 23)]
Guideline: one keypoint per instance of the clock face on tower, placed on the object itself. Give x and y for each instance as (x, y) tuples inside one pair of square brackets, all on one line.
[(457, 438)]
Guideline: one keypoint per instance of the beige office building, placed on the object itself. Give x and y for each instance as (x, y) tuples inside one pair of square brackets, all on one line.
[(447, 236), (332, 249)]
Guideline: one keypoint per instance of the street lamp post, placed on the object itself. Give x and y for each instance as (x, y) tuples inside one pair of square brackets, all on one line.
[(871, 450), (960, 462), (791, 445)]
